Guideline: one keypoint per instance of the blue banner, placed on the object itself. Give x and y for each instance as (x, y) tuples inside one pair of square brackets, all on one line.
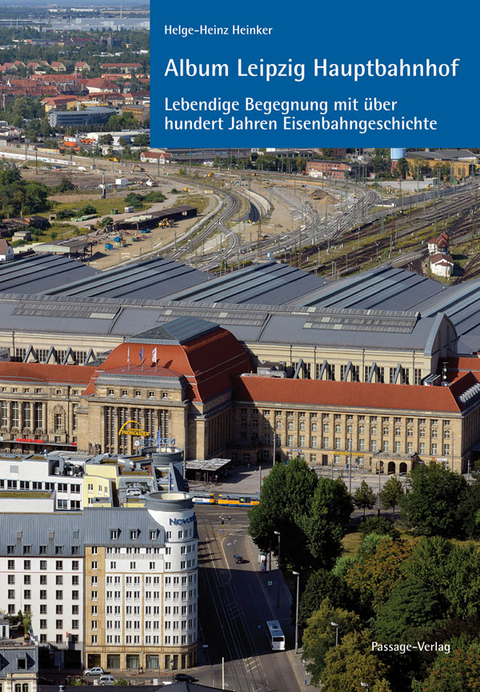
[(264, 74)]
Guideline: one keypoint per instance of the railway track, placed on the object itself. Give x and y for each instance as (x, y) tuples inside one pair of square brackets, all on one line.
[(452, 214), (356, 222)]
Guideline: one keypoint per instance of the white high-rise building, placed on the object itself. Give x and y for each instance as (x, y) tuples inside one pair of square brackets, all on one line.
[(107, 586)]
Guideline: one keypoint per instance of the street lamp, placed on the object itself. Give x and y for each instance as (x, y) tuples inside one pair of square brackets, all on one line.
[(336, 625), (277, 533), (365, 684), (297, 574)]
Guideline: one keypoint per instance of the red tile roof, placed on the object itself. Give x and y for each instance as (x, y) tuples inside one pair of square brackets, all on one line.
[(40, 372), (207, 362), (99, 83), (353, 394), (441, 258), (457, 367)]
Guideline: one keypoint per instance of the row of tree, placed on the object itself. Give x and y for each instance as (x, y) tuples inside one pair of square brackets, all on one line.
[(421, 589), (309, 512), (436, 502), (18, 196), (404, 610)]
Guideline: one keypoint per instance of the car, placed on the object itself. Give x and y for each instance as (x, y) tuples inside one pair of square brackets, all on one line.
[(239, 559), (184, 677), (107, 680), (96, 670)]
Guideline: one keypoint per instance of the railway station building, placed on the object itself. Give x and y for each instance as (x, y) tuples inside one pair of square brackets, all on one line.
[(380, 370)]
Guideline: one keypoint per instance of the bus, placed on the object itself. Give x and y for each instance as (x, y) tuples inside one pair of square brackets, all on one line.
[(275, 635)]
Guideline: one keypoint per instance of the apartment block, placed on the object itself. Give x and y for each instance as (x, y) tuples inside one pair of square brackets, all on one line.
[(107, 586)]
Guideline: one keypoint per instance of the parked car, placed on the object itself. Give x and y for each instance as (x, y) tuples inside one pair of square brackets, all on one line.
[(107, 680), (96, 670), (184, 677)]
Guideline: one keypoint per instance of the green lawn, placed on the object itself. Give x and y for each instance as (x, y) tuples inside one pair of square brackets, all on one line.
[(351, 542), (103, 206), (199, 201)]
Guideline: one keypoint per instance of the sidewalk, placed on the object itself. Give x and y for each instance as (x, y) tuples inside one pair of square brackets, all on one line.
[(241, 481), (246, 481)]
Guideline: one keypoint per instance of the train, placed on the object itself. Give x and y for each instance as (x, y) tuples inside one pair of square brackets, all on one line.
[(231, 500)]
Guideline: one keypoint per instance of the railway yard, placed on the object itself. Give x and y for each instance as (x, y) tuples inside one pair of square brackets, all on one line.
[(334, 230)]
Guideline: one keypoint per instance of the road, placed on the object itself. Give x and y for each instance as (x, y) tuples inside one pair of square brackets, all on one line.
[(235, 601)]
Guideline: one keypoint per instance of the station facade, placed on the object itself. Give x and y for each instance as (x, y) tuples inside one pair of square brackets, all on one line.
[(194, 382)]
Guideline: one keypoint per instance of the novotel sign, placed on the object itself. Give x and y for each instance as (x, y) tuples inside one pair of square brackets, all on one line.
[(180, 522)]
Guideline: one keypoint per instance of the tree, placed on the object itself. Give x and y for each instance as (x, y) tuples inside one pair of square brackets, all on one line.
[(106, 221), (380, 526), (65, 184), (324, 527), (452, 571), (133, 199), (287, 494), (431, 501), (455, 671), (308, 512), (319, 635), (364, 497), (88, 210), (142, 140), (353, 662), (320, 585), (155, 196), (381, 163), (411, 613), (469, 509), (36, 198), (106, 139), (391, 494), (333, 500), (403, 168), (376, 573), (65, 214), (18, 196)]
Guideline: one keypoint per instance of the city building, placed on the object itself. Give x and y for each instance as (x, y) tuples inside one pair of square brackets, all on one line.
[(106, 586), (152, 156), (19, 669), (460, 162), (442, 264), (139, 111), (336, 170), (127, 135), (70, 481), (122, 67), (6, 251), (95, 115), (187, 360)]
